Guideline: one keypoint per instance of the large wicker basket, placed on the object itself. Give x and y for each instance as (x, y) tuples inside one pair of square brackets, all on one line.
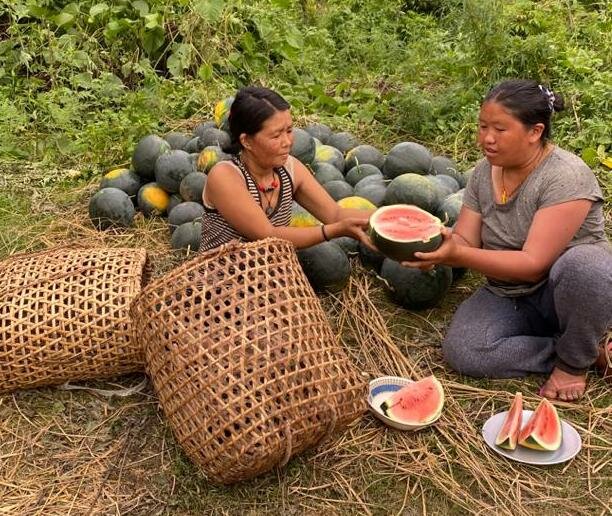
[(64, 315), (243, 359)]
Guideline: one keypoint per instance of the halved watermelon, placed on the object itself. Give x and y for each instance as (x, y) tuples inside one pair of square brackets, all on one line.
[(509, 432), (417, 403), (400, 230), (543, 430)]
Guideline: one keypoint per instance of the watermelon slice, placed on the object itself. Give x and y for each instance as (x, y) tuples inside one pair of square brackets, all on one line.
[(400, 230), (543, 430), (509, 432), (417, 403)]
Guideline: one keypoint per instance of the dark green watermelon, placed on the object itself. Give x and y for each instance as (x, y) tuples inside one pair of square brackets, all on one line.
[(407, 157), (175, 200), (324, 172), (125, 179), (343, 141), (338, 189), (146, 153), (326, 266), (303, 147), (212, 136), (412, 189), (369, 258), (111, 207), (319, 131), (171, 168), (349, 245), (200, 128), (184, 212), (372, 191), (359, 172), (187, 237), (192, 187), (414, 289), (178, 140), (364, 155)]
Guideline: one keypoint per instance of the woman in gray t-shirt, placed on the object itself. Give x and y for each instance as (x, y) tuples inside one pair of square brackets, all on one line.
[(532, 222)]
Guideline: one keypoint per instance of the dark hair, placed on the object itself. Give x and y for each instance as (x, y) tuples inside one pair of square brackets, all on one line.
[(251, 107), (528, 101)]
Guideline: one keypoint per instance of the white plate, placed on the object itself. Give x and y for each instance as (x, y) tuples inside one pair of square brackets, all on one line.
[(380, 390), (570, 443)]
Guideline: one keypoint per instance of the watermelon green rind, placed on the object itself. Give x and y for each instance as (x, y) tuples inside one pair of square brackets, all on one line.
[(414, 289), (303, 147), (407, 157), (508, 434), (412, 189), (326, 266), (146, 153), (418, 403), (543, 429), (403, 250), (110, 207)]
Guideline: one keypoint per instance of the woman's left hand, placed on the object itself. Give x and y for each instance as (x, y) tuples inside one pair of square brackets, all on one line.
[(445, 254)]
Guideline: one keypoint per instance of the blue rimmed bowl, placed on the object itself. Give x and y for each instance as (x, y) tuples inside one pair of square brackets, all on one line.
[(380, 390)]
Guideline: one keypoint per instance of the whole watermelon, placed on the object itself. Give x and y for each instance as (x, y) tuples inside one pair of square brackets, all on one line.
[(412, 189), (110, 207), (303, 147), (326, 266), (407, 157), (414, 289), (146, 153)]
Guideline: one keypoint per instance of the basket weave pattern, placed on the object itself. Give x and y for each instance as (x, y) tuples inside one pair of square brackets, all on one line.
[(243, 359), (64, 315)]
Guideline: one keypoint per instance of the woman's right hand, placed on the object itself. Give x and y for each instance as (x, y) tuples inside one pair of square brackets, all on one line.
[(354, 227)]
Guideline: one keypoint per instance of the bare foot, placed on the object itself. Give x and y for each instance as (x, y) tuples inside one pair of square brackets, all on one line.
[(564, 386)]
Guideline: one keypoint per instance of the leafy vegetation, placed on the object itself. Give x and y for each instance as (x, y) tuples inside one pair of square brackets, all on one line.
[(81, 81)]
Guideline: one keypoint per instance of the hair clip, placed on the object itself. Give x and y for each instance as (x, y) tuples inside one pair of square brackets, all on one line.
[(550, 97)]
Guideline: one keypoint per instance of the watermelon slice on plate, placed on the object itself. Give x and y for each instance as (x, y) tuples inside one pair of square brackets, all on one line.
[(543, 429), (509, 432)]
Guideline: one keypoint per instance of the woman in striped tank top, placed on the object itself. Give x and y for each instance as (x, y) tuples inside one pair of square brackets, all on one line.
[(250, 197)]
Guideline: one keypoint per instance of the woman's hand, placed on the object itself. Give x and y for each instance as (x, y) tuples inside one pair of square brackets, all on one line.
[(445, 254), (354, 227)]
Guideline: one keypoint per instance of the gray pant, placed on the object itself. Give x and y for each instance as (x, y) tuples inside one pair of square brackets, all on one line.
[(560, 324)]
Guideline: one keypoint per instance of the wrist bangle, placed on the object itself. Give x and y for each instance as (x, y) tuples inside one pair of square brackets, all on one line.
[(325, 237)]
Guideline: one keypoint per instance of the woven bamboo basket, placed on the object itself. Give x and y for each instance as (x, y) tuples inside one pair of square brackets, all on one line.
[(64, 315), (246, 366)]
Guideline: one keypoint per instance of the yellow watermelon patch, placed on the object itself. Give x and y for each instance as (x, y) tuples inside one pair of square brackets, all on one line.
[(156, 197), (114, 174), (222, 110), (300, 218), (356, 203), (324, 153), (207, 159)]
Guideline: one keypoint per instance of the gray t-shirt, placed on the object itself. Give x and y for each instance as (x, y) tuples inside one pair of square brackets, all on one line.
[(560, 177)]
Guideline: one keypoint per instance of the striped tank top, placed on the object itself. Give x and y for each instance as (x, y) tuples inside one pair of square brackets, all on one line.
[(216, 230)]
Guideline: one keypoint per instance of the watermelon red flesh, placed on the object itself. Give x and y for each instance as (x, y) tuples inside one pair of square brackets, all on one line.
[(401, 230), (509, 432), (543, 430), (406, 226), (416, 403)]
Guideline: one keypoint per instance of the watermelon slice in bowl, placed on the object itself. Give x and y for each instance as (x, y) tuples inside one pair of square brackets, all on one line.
[(404, 404)]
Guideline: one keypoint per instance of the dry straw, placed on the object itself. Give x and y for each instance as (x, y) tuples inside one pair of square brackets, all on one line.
[(64, 315), (243, 359)]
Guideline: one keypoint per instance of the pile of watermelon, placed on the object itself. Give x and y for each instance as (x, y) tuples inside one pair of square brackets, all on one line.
[(168, 174)]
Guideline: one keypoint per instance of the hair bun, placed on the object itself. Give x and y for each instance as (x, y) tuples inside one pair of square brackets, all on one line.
[(558, 103)]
